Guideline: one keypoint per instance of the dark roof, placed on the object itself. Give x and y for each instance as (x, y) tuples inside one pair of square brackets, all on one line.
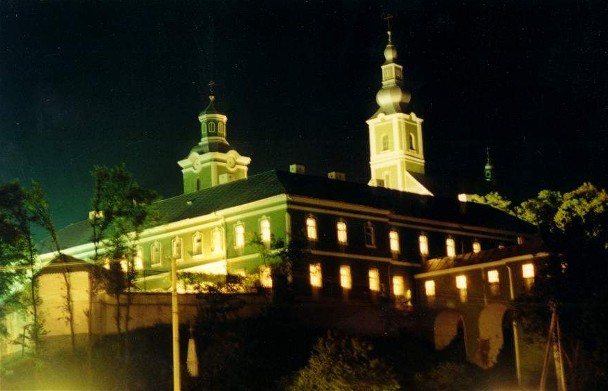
[(276, 182), (533, 246)]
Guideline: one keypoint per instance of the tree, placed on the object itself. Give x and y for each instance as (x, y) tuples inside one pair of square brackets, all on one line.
[(344, 363), (447, 376), (574, 226), (495, 200), (121, 211)]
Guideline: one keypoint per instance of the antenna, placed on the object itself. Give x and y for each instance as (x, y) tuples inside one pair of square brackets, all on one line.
[(388, 19)]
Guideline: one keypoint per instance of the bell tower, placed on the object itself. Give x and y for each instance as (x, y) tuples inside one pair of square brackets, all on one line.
[(212, 161), (395, 136)]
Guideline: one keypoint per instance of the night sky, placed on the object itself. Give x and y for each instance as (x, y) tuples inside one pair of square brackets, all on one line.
[(104, 82)]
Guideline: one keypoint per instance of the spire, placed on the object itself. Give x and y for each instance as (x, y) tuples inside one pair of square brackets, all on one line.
[(210, 109), (488, 169), (391, 97)]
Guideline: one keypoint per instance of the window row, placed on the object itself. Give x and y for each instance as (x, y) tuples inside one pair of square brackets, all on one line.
[(370, 238), (239, 233), (492, 278), (346, 281)]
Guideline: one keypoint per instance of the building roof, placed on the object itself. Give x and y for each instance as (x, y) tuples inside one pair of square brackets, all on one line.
[(275, 182)]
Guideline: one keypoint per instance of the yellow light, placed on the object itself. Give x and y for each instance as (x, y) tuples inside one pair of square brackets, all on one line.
[(239, 236), (374, 280), (429, 288), (316, 279), (266, 276), (265, 228), (398, 286), (450, 246), (311, 228), (423, 243), (493, 277), (342, 236), (394, 241), (527, 270), (461, 282), (345, 277), (476, 247)]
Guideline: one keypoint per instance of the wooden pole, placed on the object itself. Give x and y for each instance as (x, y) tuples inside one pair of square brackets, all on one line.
[(175, 326)]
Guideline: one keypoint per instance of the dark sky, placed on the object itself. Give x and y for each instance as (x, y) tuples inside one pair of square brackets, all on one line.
[(104, 82)]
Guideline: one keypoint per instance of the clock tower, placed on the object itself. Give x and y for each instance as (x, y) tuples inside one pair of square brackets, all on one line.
[(395, 136), (212, 161)]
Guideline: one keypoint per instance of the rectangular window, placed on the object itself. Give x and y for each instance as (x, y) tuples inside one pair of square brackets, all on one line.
[(423, 244), (429, 288), (374, 280), (266, 276), (370, 235), (197, 244), (527, 270), (265, 231), (450, 247), (239, 236), (461, 281), (398, 286), (394, 241), (493, 277), (346, 281), (476, 247), (311, 228), (316, 278), (341, 232)]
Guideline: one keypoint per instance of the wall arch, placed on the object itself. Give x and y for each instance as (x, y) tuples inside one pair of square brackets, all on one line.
[(491, 338), (446, 327)]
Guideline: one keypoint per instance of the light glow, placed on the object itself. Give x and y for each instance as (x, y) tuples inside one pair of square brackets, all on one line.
[(450, 247), (527, 270), (476, 247), (265, 230), (346, 281), (394, 241), (374, 280), (239, 236), (311, 228), (461, 281), (316, 278), (429, 288), (398, 286), (493, 277), (423, 244), (341, 231), (266, 276)]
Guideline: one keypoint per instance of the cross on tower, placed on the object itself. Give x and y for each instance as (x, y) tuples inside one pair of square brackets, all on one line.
[(211, 84), (388, 19)]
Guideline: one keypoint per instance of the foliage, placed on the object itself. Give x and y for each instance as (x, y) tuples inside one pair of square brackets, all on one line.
[(574, 226), (493, 199), (344, 363), (446, 376)]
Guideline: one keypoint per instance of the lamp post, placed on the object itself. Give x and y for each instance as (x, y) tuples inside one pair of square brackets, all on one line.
[(175, 326)]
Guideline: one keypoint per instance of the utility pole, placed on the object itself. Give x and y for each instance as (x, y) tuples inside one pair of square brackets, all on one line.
[(175, 326)]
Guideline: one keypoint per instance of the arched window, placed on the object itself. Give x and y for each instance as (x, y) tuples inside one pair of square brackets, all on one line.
[(211, 127), (239, 236), (177, 247), (412, 142), (265, 234), (316, 278), (217, 240), (197, 244)]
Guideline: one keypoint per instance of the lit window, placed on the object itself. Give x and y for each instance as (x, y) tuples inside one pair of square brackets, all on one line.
[(429, 288), (311, 228), (139, 258), (374, 280), (176, 245), (476, 247), (265, 230), (385, 142), (239, 236), (520, 240), (346, 281), (450, 247), (398, 286), (316, 279), (423, 244), (493, 277), (527, 270), (266, 276), (217, 240), (370, 235), (155, 251), (461, 282), (394, 241), (341, 228), (197, 244)]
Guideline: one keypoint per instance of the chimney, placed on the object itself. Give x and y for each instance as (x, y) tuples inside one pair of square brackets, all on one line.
[(297, 169)]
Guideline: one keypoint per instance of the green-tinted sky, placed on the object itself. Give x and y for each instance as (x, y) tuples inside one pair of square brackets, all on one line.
[(104, 82)]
